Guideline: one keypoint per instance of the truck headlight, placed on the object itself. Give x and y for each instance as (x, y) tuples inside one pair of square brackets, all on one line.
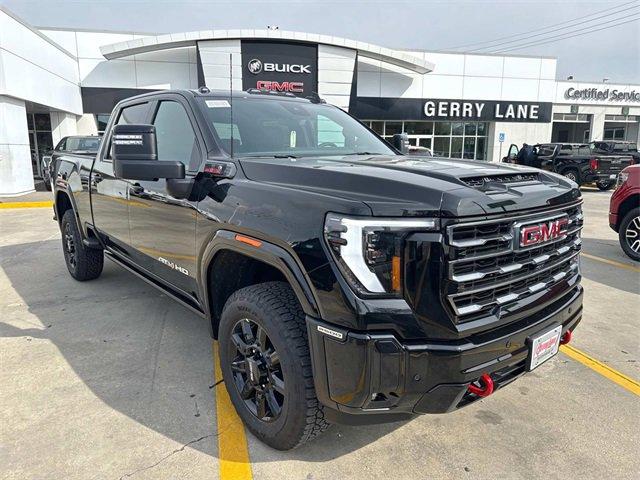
[(368, 250)]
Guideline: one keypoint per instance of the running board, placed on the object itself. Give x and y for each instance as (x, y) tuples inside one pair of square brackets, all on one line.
[(156, 283)]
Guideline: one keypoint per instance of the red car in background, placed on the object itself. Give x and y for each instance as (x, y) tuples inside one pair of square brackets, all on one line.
[(624, 211)]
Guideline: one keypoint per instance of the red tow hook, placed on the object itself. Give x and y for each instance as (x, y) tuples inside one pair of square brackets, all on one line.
[(486, 386), (566, 338)]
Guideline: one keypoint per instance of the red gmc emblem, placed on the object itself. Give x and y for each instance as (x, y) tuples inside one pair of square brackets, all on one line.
[(293, 87), (543, 232)]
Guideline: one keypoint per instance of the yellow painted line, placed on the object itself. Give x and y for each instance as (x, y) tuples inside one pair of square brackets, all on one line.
[(604, 370), (233, 452), (26, 204), (610, 262)]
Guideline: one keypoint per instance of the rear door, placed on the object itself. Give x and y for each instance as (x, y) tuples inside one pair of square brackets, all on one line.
[(163, 228)]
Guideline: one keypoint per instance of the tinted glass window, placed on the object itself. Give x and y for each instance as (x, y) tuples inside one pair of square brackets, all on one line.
[(546, 150), (175, 136), (133, 114)]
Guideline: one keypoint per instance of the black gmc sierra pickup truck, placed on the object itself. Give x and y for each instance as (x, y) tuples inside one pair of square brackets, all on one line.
[(344, 281), (575, 161)]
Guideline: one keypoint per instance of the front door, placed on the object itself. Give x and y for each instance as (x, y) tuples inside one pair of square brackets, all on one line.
[(163, 228), (110, 195)]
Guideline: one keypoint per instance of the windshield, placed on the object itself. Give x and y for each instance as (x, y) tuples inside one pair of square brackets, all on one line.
[(280, 127)]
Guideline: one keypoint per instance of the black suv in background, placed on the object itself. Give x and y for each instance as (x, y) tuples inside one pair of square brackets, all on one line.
[(79, 145), (345, 282)]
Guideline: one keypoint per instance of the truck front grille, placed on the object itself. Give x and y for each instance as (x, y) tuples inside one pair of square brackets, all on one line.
[(487, 268)]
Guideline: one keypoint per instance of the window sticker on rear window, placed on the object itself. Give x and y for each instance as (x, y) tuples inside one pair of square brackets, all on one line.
[(218, 104)]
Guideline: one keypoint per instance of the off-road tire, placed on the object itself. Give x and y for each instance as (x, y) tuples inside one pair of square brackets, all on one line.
[(83, 263), (573, 174), (274, 307), (630, 220), (605, 185)]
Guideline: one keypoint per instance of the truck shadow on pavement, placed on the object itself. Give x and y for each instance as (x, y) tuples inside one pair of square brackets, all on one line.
[(136, 350)]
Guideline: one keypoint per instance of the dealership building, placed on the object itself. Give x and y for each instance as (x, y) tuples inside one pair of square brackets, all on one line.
[(55, 83)]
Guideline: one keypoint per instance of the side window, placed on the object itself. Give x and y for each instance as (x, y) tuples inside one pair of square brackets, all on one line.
[(175, 136), (131, 115), (61, 145)]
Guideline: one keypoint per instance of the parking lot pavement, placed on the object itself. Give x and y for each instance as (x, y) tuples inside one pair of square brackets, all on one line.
[(111, 379)]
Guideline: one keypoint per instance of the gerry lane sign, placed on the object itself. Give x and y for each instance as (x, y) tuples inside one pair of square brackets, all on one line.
[(375, 108)]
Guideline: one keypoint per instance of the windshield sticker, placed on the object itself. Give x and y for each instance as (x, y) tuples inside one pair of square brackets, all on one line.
[(218, 104), (292, 139)]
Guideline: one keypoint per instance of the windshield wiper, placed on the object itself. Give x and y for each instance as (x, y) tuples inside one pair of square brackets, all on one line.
[(363, 153), (270, 156)]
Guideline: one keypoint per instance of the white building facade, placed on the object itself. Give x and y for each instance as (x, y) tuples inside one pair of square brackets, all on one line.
[(55, 83)]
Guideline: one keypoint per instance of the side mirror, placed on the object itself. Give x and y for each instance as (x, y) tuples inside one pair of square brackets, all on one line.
[(135, 155), (400, 142)]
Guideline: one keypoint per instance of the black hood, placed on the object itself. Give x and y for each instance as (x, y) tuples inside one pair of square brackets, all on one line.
[(417, 186)]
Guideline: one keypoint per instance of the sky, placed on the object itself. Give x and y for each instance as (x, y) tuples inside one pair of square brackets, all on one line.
[(613, 52)]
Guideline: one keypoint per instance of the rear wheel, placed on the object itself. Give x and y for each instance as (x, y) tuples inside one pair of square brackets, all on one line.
[(604, 185), (266, 366), (83, 263), (629, 234), (573, 175)]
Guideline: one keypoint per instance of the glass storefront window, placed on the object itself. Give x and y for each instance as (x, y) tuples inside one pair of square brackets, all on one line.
[(424, 142), (456, 147), (392, 128), (378, 127), (470, 129), (441, 146), (480, 148), (469, 147), (418, 128), (442, 128), (445, 139)]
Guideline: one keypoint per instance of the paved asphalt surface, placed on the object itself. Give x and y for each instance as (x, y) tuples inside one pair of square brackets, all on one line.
[(110, 379)]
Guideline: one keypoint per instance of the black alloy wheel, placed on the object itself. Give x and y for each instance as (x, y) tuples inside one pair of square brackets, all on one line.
[(69, 246), (256, 369)]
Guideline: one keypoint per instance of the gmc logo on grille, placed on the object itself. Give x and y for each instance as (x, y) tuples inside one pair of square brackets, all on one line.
[(543, 232)]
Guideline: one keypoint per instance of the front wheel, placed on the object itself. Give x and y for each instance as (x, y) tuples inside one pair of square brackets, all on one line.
[(604, 185), (266, 365), (629, 234)]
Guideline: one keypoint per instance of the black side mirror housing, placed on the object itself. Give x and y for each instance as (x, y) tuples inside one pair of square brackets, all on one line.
[(400, 142), (135, 155)]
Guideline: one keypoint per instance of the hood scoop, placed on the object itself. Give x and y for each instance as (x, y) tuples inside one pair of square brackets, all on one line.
[(500, 183)]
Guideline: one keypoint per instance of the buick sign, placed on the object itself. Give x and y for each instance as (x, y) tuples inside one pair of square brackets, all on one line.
[(280, 66), (255, 66)]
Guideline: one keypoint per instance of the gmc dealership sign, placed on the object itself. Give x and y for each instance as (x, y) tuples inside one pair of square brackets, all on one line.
[(280, 67), (439, 109)]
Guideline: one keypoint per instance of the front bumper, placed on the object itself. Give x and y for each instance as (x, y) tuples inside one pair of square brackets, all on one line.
[(369, 377)]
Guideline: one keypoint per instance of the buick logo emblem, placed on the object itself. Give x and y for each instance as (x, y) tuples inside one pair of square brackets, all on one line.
[(255, 66)]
